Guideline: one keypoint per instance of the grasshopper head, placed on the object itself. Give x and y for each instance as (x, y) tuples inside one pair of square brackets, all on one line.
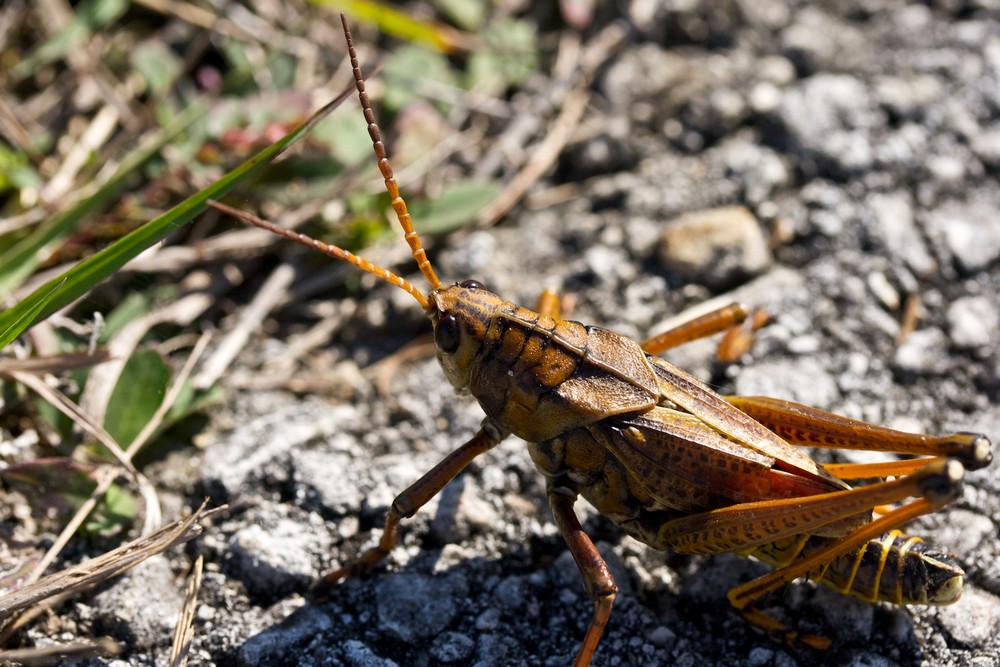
[(461, 316)]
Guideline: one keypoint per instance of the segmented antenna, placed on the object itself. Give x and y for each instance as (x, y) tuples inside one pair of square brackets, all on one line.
[(331, 250), (398, 205)]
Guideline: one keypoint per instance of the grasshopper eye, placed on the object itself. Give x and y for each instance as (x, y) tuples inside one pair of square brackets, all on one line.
[(446, 334), (472, 284)]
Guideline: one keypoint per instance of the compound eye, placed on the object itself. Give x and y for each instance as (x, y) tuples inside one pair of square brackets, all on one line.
[(472, 284), (446, 334)]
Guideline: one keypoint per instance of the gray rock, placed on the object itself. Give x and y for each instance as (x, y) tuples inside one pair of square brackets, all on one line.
[(803, 380), (274, 555), (922, 352), (452, 648), (967, 230), (416, 606), (973, 323), (830, 117), (892, 222), (142, 606), (973, 621), (358, 654), (275, 644)]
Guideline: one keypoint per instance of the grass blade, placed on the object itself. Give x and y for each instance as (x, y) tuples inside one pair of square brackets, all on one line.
[(64, 289)]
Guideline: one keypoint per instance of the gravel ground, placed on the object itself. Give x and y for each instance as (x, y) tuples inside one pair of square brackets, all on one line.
[(865, 138)]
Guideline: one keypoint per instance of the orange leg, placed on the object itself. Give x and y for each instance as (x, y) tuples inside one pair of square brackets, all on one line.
[(597, 578), (741, 527), (408, 502), (741, 597), (739, 339), (548, 304), (700, 327), (804, 425)]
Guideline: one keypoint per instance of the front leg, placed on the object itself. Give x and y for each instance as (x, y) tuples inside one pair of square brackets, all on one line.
[(597, 578), (409, 501)]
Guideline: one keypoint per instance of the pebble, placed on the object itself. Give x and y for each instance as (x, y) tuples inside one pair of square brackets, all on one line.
[(973, 621), (893, 222), (717, 247), (359, 654), (922, 352), (973, 322), (829, 117), (416, 606), (803, 380), (279, 641), (452, 648), (272, 557), (968, 230), (142, 605)]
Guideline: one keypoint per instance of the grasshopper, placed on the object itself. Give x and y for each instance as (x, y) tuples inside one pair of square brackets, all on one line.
[(655, 450)]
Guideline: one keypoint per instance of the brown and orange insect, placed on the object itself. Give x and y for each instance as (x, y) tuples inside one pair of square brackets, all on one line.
[(671, 462)]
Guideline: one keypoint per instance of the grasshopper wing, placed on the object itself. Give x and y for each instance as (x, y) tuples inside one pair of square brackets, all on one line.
[(693, 396), (668, 451)]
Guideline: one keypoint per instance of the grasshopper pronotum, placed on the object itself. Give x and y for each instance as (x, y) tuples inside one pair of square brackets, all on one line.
[(672, 463)]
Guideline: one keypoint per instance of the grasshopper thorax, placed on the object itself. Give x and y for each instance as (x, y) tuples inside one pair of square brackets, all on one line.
[(461, 315)]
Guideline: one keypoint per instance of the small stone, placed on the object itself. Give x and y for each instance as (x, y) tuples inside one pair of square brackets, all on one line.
[(716, 247), (883, 290), (662, 636), (975, 620), (359, 654), (893, 223), (986, 146), (968, 229), (141, 606), (274, 644), (922, 352), (452, 647), (415, 606), (830, 118), (973, 322), (760, 656), (273, 559), (803, 380)]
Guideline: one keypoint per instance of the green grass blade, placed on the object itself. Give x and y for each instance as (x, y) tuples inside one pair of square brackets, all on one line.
[(21, 259), (19, 323), (64, 289)]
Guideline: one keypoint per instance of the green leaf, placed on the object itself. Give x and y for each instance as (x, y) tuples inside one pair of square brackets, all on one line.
[(58, 487), (140, 390), (115, 512), (455, 207), (347, 137), (466, 14), (157, 64), (16, 172), (510, 56), (132, 307), (406, 68)]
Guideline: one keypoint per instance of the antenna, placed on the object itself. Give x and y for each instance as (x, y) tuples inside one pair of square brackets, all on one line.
[(398, 205), (328, 249)]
